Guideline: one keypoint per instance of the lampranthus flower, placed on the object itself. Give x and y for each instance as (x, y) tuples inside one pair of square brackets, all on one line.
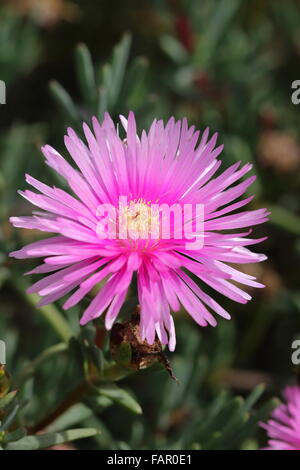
[(166, 166), (283, 428)]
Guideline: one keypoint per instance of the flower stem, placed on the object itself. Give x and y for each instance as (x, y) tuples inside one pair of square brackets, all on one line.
[(71, 399)]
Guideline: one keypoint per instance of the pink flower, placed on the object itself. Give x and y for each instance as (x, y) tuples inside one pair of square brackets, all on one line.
[(165, 165), (284, 426)]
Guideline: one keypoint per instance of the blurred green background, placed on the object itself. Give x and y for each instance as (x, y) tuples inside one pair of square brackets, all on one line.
[(226, 64)]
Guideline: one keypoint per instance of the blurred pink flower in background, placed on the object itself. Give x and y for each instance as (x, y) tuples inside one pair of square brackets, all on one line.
[(166, 165), (283, 428)]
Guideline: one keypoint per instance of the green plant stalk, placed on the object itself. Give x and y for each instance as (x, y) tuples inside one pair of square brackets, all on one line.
[(112, 373)]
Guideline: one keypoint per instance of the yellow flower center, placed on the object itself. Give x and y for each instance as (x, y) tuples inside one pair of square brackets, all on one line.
[(140, 220)]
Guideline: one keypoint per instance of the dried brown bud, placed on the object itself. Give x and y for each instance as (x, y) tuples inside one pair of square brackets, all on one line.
[(129, 350)]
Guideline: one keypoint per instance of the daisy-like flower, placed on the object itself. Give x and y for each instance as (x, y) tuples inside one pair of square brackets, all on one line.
[(283, 428), (167, 166)]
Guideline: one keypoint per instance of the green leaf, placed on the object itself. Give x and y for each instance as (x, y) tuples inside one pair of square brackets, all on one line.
[(120, 396), (86, 74), (215, 30), (134, 89), (123, 355), (52, 315), (113, 78), (5, 381), (9, 418), (97, 403), (72, 416), (12, 165), (173, 49), (44, 441), (254, 396), (238, 150), (102, 103), (15, 435), (213, 411), (31, 368), (5, 401), (228, 420), (284, 219), (115, 372), (64, 101), (14, 152), (260, 415), (91, 352)]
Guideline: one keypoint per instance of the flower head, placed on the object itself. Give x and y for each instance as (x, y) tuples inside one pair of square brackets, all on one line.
[(149, 205), (283, 428)]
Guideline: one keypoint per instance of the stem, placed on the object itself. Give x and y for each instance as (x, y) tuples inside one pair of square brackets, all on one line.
[(71, 399), (112, 373)]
